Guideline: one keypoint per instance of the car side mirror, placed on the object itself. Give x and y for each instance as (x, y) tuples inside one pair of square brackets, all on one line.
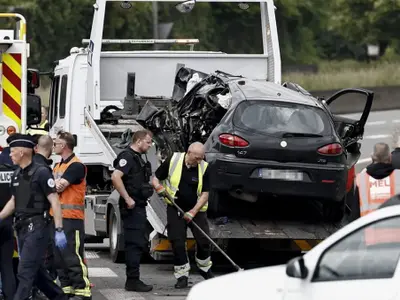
[(296, 268), (33, 110)]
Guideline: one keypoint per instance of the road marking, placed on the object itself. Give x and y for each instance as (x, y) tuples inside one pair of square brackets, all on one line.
[(376, 123), (396, 121), (113, 294), (91, 255), (101, 272), (377, 136)]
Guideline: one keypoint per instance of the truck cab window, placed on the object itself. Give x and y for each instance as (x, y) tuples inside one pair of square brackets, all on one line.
[(54, 100), (63, 95)]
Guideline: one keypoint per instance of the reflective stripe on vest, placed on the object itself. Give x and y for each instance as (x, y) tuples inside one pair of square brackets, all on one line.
[(72, 199), (171, 184), (38, 129), (374, 192)]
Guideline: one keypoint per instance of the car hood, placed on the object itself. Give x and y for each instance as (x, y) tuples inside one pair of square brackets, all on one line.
[(250, 284)]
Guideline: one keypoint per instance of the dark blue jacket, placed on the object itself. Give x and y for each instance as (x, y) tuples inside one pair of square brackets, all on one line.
[(5, 157)]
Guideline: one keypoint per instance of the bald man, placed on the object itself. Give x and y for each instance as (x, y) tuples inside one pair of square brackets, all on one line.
[(43, 150), (377, 182), (184, 176)]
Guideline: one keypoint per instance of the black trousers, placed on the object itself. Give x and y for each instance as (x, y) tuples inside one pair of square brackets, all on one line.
[(6, 261), (134, 224), (177, 235), (71, 268), (33, 240)]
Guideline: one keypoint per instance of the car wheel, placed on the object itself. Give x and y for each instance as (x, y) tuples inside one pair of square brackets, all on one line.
[(117, 256), (334, 211)]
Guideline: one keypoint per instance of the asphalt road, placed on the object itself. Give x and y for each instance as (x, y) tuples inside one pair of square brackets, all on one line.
[(109, 278)]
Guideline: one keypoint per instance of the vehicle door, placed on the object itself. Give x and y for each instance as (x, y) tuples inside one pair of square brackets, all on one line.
[(351, 130), (58, 101), (354, 267)]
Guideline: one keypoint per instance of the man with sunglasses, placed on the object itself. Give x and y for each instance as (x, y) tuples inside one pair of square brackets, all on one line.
[(70, 178), (184, 176)]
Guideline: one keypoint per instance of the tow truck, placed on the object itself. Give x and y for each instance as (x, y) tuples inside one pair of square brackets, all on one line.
[(90, 83), (19, 106)]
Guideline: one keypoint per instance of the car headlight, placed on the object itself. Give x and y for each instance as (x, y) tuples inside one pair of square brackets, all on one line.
[(2, 130)]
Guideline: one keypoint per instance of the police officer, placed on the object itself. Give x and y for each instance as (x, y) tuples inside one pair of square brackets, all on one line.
[(70, 177), (6, 234), (43, 151), (131, 179), (33, 191), (185, 178)]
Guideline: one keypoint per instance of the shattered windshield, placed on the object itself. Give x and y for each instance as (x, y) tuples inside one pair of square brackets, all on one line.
[(272, 118), (227, 27)]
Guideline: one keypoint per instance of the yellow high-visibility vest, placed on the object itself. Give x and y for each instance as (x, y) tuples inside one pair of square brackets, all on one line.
[(171, 184), (39, 129)]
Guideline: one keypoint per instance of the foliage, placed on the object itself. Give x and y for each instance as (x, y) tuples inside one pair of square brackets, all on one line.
[(309, 30)]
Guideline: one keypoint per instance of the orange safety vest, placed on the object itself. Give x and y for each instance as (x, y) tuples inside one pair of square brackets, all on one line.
[(373, 193), (72, 199)]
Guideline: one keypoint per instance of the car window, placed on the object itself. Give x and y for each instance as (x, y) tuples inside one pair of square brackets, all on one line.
[(275, 118), (371, 252)]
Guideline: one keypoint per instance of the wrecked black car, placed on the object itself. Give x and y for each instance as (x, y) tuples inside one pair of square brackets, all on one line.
[(261, 138)]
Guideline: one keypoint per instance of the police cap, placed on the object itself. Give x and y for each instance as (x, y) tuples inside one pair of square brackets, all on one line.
[(21, 140)]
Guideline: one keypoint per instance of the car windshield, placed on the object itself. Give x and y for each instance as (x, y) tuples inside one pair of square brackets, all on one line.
[(281, 119)]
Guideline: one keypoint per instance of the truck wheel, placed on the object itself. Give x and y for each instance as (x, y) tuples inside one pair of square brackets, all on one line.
[(334, 211), (117, 256)]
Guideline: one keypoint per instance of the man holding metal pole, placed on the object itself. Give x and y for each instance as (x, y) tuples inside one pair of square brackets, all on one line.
[(184, 178)]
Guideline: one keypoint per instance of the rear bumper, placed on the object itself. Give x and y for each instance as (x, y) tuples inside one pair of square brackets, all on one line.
[(322, 182)]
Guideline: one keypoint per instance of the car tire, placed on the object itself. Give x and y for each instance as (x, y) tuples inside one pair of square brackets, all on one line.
[(333, 211), (116, 255)]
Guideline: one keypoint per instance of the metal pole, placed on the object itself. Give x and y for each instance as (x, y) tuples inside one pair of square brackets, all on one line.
[(205, 234), (155, 23)]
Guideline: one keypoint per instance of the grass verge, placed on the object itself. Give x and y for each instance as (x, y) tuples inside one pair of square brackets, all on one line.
[(337, 75)]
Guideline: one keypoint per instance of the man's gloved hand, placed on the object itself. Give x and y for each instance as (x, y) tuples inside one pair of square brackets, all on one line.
[(160, 190), (60, 239), (189, 215)]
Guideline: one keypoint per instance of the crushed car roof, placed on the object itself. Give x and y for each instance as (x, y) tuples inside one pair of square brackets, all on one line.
[(264, 90)]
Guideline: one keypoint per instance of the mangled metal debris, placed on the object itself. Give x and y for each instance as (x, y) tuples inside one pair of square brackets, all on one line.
[(198, 103)]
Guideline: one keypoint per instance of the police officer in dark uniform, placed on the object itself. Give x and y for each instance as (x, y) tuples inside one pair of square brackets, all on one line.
[(6, 234), (131, 179), (33, 191)]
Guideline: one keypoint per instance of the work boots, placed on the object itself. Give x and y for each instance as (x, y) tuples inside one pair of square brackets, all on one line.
[(206, 275), (182, 282), (136, 285)]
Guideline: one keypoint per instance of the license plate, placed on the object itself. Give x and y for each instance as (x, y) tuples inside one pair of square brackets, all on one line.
[(280, 174)]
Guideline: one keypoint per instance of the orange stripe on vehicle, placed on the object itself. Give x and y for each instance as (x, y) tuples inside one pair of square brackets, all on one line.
[(303, 245), (11, 84), (165, 245)]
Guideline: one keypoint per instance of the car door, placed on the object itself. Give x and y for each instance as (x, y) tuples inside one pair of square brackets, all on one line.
[(352, 267), (351, 130)]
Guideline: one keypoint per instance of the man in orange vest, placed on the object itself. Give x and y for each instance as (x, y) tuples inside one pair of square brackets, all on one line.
[(70, 177), (376, 184)]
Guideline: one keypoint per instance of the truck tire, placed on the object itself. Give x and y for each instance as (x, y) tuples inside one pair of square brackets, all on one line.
[(333, 211), (116, 255)]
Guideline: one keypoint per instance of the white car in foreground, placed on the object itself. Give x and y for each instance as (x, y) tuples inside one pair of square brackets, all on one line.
[(344, 266)]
